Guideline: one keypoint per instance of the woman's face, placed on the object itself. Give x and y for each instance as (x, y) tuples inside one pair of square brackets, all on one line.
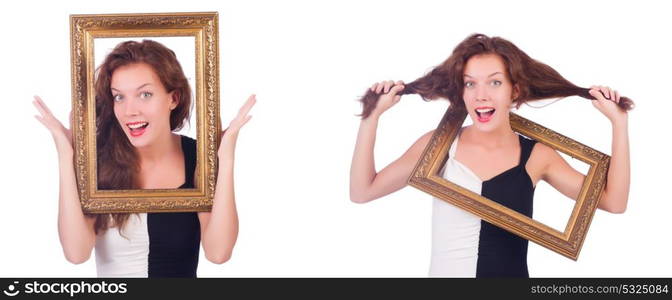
[(141, 104), (488, 92)]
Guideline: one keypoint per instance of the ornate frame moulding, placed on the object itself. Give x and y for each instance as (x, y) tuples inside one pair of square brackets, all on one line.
[(203, 26), (426, 177)]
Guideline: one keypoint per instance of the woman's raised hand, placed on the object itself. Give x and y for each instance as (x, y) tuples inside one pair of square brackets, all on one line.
[(242, 117), (388, 95), (62, 136), (606, 102), (230, 134)]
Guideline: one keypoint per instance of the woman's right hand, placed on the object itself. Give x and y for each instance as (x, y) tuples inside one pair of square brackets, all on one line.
[(389, 97), (75, 230), (62, 136)]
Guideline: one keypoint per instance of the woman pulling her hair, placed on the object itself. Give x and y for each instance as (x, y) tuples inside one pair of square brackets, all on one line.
[(488, 76), (142, 98)]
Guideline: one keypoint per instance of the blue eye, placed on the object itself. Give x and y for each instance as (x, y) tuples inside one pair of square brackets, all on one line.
[(117, 98), (468, 84), (496, 83), (145, 95)]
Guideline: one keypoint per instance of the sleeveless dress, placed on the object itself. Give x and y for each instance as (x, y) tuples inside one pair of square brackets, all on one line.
[(463, 245), (154, 244)]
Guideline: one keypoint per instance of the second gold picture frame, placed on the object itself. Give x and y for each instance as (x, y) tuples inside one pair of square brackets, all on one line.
[(426, 177)]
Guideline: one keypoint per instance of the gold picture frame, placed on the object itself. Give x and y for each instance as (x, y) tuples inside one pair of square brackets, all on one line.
[(426, 177), (203, 27)]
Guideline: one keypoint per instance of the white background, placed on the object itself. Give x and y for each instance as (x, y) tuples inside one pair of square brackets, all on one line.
[(308, 63)]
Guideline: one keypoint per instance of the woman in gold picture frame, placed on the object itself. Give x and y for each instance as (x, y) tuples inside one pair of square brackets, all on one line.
[(488, 76), (142, 98)]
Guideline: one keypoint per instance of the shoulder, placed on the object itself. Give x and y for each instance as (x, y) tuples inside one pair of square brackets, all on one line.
[(422, 142), (426, 137), (542, 158), (544, 152), (414, 152)]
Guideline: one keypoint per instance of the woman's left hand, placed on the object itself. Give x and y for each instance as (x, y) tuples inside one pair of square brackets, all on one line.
[(231, 133), (608, 105)]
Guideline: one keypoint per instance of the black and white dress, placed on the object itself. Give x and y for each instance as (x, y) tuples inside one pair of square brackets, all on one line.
[(154, 244), (463, 245)]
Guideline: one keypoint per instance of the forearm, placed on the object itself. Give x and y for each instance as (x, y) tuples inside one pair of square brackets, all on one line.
[(76, 234), (221, 232), (362, 169), (618, 178)]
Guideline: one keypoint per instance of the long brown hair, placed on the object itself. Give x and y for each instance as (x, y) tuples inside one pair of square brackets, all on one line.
[(535, 80), (117, 158)]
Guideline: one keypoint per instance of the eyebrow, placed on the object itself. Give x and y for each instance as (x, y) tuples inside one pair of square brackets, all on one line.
[(493, 74), (144, 85)]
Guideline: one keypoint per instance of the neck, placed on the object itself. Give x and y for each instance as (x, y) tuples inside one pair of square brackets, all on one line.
[(503, 135), (161, 149)]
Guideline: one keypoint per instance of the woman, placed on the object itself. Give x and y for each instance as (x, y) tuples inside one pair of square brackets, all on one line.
[(142, 97), (488, 76)]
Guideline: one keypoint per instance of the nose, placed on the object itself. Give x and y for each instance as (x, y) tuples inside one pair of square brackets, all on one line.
[(131, 107), (481, 93)]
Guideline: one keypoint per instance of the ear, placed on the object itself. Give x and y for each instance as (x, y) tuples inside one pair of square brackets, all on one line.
[(174, 99), (515, 92)]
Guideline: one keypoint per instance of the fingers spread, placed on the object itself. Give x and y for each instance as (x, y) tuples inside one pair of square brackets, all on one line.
[(40, 108), (248, 105), (44, 106), (41, 120), (246, 120)]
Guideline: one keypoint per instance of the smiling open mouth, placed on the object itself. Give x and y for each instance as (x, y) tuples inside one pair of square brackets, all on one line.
[(137, 128), (485, 114)]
